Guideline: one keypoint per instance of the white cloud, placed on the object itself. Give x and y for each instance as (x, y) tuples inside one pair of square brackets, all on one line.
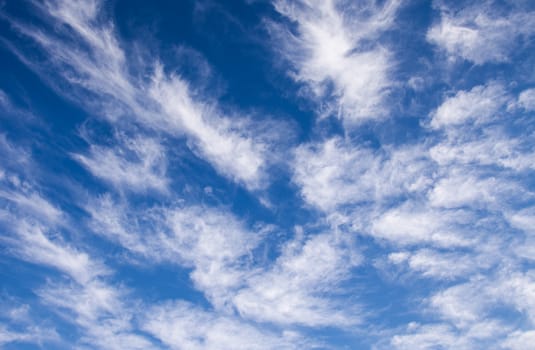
[(413, 224), (478, 192), (327, 173), (458, 191), (328, 49), (109, 219), (181, 325), (84, 298), (461, 304), (224, 142), (449, 200), (34, 245), (490, 147), (4, 99), (90, 303), (210, 240), (103, 68), (520, 340), (219, 248), (165, 102), (523, 219), (526, 100), (32, 203), (336, 173), (13, 155), (440, 265), (479, 33), (426, 337), (460, 188), (31, 222), (517, 289), (480, 104), (482, 335), (7, 336), (102, 312), (296, 289), (216, 244), (478, 300), (31, 335), (134, 164)]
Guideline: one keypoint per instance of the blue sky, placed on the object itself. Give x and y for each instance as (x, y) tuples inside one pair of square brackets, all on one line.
[(254, 174)]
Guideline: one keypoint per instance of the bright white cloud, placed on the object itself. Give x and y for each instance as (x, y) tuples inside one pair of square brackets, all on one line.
[(523, 219), (30, 222), (35, 246), (100, 310), (491, 146), (212, 241), (448, 214), (216, 244), (480, 104), (426, 337), (32, 335), (520, 340), (471, 309), (328, 173), (109, 219), (477, 185), (224, 142), (328, 50), (442, 335), (135, 164), (459, 189), (440, 265), (411, 224), (526, 100), (336, 173), (31, 202), (296, 289), (13, 155), (165, 102), (480, 34), (219, 249), (84, 297), (181, 325), (458, 303)]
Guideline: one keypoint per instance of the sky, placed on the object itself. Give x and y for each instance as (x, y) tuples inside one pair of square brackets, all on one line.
[(267, 174)]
